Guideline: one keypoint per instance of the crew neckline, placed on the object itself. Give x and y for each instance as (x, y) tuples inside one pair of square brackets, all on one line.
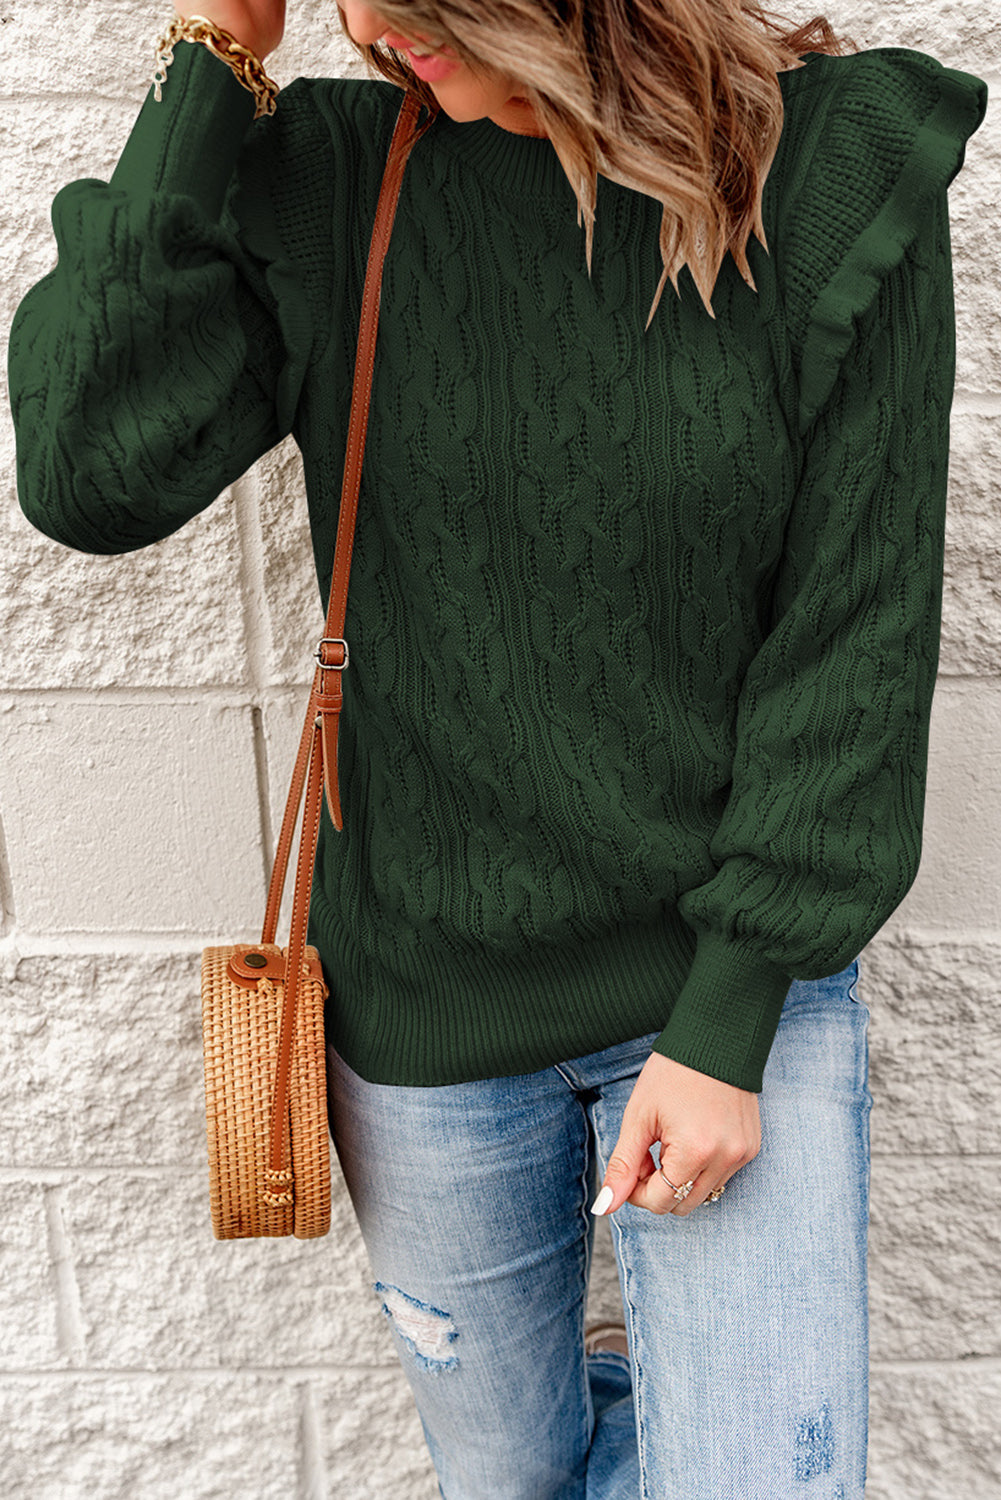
[(527, 166)]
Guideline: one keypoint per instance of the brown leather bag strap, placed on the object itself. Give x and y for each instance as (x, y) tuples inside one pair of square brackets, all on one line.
[(316, 761)]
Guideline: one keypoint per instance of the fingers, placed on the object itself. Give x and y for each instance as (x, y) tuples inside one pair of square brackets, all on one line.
[(629, 1164), (671, 1192), (704, 1128), (662, 1192), (659, 1196), (682, 1184)]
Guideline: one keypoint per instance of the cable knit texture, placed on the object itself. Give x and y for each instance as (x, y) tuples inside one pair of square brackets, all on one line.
[(644, 627)]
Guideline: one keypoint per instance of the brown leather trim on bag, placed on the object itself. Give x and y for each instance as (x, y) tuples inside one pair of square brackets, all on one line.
[(326, 696), (247, 974), (265, 1086), (316, 760)]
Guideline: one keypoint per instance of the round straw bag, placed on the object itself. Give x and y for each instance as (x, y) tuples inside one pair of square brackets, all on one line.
[(263, 1043), (242, 997), (262, 1006)]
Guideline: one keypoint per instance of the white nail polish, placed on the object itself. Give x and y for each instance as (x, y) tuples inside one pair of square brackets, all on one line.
[(604, 1198)]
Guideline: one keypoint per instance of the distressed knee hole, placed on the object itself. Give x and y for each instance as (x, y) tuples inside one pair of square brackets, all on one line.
[(815, 1443), (426, 1330)]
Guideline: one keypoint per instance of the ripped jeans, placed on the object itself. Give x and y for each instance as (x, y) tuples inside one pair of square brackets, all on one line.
[(747, 1377)]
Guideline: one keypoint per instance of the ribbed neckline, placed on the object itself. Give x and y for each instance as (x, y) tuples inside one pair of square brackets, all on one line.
[(522, 165), (527, 166)]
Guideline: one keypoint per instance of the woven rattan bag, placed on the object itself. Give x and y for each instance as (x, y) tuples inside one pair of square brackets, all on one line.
[(262, 1005)]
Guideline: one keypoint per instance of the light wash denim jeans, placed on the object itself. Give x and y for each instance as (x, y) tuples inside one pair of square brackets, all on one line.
[(748, 1319)]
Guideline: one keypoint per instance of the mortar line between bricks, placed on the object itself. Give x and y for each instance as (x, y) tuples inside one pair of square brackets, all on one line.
[(8, 911), (250, 691), (232, 693), (248, 495), (984, 1364), (90, 1172), (268, 840), (977, 403), (247, 499), (54, 1176), (292, 1373), (976, 1158), (180, 944), (312, 1475)]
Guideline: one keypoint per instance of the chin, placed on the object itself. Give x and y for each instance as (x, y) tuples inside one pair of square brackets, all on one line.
[(464, 99), (462, 114)]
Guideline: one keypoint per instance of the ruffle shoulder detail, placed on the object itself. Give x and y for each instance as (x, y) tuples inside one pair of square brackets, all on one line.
[(889, 127)]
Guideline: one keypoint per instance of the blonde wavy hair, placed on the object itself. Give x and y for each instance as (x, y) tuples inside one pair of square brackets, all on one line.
[(677, 99)]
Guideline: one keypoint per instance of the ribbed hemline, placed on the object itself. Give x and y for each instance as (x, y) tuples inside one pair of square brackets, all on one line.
[(439, 1021)]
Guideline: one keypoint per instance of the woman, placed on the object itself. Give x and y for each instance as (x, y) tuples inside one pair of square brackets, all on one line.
[(643, 625)]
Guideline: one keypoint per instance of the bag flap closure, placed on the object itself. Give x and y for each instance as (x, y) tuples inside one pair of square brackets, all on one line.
[(253, 961)]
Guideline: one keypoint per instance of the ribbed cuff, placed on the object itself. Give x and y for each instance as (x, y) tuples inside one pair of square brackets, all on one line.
[(724, 1021), (189, 141)]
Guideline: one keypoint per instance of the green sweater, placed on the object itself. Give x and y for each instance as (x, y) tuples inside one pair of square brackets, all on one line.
[(643, 626)]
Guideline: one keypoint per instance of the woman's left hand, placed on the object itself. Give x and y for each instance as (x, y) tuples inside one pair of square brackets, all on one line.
[(708, 1130)]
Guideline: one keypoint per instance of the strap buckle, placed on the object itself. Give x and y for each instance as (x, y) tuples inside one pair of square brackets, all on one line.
[(331, 640)]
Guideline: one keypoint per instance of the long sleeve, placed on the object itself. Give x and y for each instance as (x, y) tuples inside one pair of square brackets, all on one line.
[(820, 839), (167, 349)]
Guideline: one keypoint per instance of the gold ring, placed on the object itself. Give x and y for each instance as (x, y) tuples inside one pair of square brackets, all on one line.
[(682, 1192)]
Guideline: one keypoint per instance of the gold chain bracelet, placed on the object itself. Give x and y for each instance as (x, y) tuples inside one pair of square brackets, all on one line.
[(247, 67)]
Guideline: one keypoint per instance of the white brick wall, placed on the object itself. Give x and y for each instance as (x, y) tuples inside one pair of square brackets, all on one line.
[(164, 690)]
